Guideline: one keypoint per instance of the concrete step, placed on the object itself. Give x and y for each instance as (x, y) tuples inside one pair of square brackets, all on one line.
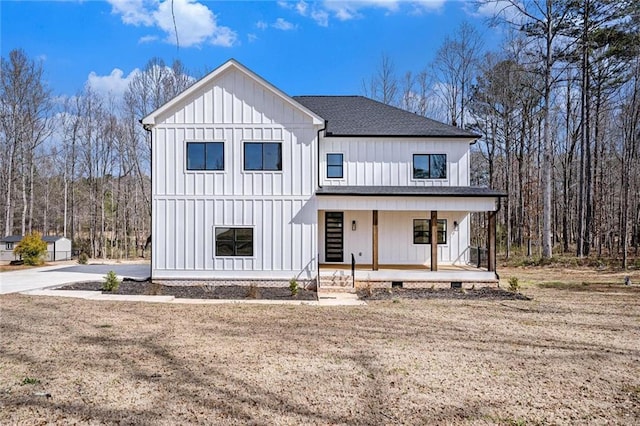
[(328, 289)]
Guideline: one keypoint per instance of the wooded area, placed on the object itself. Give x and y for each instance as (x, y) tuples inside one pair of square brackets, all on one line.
[(558, 109), (557, 106)]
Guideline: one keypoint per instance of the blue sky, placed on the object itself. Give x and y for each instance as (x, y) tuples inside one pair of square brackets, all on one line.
[(302, 47)]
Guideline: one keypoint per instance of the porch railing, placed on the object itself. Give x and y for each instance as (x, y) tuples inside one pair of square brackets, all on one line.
[(478, 256)]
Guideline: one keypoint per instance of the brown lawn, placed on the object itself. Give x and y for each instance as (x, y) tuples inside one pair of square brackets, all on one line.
[(570, 356)]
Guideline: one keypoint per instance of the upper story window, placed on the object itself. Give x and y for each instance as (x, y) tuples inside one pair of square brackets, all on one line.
[(205, 156), (234, 241), (429, 166), (263, 156), (422, 231), (334, 166)]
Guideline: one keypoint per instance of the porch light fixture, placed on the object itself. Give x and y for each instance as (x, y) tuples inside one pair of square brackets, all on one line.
[(455, 225), (353, 225)]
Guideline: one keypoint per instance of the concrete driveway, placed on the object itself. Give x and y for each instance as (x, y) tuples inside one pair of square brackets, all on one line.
[(53, 276)]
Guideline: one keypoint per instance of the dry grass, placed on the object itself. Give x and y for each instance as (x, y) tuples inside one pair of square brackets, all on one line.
[(568, 357), (8, 268)]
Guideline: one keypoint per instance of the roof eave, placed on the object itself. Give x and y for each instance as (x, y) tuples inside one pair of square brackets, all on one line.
[(399, 135)]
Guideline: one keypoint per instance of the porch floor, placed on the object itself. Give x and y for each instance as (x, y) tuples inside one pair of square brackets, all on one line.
[(416, 273)]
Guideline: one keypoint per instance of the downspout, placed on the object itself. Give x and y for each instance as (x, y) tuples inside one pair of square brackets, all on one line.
[(148, 128), (320, 130), (495, 239), (319, 186)]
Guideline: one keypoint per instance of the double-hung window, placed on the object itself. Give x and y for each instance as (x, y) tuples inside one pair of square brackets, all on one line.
[(234, 241), (334, 166), (205, 156), (9, 246), (429, 166), (422, 231), (263, 156)]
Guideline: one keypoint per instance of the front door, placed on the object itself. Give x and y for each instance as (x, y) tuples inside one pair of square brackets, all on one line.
[(334, 233)]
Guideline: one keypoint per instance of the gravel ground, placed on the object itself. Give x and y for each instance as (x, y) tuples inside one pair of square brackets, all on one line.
[(565, 357), (232, 292), (486, 293)]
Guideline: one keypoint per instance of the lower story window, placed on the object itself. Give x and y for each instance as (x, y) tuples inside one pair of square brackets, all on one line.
[(422, 231), (234, 241), (9, 246)]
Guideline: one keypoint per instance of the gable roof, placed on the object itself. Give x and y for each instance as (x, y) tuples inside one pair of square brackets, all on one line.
[(230, 64), (360, 116)]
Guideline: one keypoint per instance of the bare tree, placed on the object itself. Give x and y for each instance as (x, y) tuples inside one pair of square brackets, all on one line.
[(455, 64), (24, 124), (383, 84)]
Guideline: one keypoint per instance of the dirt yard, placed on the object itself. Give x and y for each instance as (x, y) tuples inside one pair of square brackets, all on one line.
[(569, 356)]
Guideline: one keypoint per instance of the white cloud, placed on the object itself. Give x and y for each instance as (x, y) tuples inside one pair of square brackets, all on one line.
[(147, 39), (279, 24), (302, 7), (252, 37), (282, 24), (321, 17), (224, 36), (134, 12), (503, 9), (429, 5), (345, 10), (114, 84), (196, 24)]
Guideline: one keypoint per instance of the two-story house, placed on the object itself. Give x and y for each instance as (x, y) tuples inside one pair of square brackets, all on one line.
[(252, 185)]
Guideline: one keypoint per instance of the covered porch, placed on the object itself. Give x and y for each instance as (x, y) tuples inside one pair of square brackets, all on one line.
[(416, 236)]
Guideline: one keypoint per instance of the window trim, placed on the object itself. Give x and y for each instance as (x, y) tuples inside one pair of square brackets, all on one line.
[(204, 142), (334, 165), (428, 232), (262, 170), (235, 241), (413, 167)]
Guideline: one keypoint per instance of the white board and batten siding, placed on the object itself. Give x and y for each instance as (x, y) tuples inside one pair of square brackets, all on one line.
[(234, 108), (395, 238), (389, 161)]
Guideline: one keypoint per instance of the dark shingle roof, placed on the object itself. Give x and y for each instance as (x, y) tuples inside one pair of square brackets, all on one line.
[(360, 116), (18, 238), (412, 191)]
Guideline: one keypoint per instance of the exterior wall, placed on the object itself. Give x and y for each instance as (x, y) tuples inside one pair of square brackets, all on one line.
[(188, 205), (389, 162), (7, 254), (62, 249), (395, 238)]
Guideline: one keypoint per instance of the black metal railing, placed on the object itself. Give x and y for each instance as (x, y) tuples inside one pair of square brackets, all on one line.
[(353, 270), (478, 256)]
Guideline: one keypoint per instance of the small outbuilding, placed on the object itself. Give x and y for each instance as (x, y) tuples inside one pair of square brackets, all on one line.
[(58, 248)]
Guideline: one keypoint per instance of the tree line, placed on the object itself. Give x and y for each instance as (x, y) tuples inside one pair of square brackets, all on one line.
[(557, 107), (79, 166)]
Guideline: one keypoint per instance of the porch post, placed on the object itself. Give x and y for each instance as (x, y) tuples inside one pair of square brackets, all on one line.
[(491, 250), (374, 257), (434, 240)]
